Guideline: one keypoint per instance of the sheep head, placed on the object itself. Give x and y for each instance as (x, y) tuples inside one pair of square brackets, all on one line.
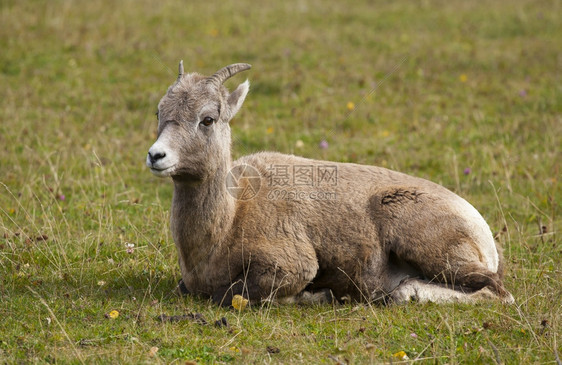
[(193, 130)]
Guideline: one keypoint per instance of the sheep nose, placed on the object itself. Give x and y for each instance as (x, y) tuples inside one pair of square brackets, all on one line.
[(156, 156)]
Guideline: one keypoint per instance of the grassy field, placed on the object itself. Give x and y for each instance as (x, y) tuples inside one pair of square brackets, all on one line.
[(467, 94)]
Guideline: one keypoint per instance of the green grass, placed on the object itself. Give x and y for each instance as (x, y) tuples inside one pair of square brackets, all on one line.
[(438, 87)]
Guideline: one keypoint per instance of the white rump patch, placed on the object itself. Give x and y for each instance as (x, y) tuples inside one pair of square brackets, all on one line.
[(480, 230)]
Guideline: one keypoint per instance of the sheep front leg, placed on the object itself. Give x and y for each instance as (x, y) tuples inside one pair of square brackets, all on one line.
[(260, 283), (265, 270)]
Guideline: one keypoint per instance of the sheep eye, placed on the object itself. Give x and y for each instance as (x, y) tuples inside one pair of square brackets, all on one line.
[(156, 115), (207, 121)]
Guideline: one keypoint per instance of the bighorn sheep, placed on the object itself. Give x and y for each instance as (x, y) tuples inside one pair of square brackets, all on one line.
[(277, 226)]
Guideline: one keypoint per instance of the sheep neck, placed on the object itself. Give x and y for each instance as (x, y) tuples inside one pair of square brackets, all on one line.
[(202, 215)]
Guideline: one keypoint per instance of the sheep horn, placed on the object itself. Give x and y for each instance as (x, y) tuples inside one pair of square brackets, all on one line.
[(227, 72), (180, 70)]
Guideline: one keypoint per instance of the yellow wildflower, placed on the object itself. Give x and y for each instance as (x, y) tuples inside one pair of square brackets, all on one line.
[(239, 302), (400, 355), (113, 314)]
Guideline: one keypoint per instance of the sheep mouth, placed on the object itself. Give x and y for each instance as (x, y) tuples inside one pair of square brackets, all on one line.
[(165, 172)]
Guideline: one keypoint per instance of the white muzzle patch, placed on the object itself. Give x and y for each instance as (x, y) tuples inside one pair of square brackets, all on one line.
[(162, 159)]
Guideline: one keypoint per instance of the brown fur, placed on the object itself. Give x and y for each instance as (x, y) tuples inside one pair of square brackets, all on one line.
[(377, 229)]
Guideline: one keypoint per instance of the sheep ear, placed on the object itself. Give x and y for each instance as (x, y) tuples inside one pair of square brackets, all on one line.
[(236, 98)]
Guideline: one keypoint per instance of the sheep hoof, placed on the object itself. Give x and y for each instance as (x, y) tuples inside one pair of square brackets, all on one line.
[(508, 299), (181, 288)]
